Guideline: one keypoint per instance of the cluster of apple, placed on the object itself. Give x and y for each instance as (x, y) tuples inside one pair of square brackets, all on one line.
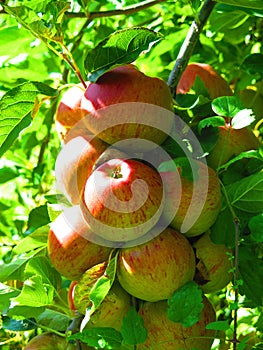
[(126, 193)]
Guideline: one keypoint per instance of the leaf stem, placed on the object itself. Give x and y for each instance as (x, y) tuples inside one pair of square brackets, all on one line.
[(189, 44)]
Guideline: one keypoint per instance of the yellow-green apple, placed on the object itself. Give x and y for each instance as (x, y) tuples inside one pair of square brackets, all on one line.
[(75, 162), (49, 341), (125, 104), (215, 83), (230, 143), (168, 335), (154, 270), (122, 200), (112, 309), (214, 264), (68, 112), (70, 245), (193, 199)]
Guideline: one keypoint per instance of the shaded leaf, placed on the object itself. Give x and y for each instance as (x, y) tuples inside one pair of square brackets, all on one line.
[(14, 325), (53, 320), (121, 47), (255, 225), (253, 64), (224, 229), (218, 325), (6, 293), (211, 121), (133, 330), (254, 4)]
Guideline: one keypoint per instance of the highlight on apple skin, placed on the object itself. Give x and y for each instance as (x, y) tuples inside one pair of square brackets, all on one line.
[(154, 270)]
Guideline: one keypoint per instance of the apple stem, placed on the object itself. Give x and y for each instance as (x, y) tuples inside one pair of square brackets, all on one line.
[(116, 174), (189, 44)]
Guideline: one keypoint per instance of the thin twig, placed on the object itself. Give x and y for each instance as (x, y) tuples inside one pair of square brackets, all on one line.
[(189, 44)]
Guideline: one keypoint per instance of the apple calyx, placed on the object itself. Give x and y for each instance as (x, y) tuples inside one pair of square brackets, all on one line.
[(116, 174)]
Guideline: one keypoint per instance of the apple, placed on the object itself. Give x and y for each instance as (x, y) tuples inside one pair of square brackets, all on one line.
[(70, 245), (122, 200), (230, 143), (215, 84), (168, 335), (154, 270), (214, 264), (193, 199), (125, 104), (49, 341), (75, 162), (113, 308), (68, 111)]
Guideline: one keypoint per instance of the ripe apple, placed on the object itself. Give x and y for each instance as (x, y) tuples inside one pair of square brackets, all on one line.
[(113, 308), (75, 162), (213, 264), (68, 112), (193, 199), (125, 104), (70, 248), (123, 200), (49, 341), (154, 270), (168, 335), (230, 143), (214, 82)]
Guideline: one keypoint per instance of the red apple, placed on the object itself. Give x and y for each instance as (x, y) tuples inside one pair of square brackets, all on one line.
[(69, 109), (123, 200), (168, 335), (125, 104), (70, 248), (214, 83), (192, 204), (231, 142), (214, 264), (75, 162), (113, 308), (154, 270)]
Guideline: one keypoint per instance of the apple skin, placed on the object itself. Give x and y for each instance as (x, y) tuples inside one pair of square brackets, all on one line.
[(49, 341), (179, 191), (70, 248), (75, 162), (113, 308), (69, 109), (231, 142), (121, 103), (214, 83), (154, 270), (123, 199), (168, 335), (214, 264)]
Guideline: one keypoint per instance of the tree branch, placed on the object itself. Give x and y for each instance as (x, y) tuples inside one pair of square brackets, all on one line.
[(189, 44), (125, 11)]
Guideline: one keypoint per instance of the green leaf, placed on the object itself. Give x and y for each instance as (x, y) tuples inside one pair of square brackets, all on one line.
[(53, 320), (37, 239), (224, 229), (210, 121), (6, 293), (121, 47), (100, 337), (187, 167), (16, 107), (230, 8), (187, 101), (133, 330), (255, 225), (14, 325), (38, 217), (247, 193), (253, 64), (8, 173), (254, 4), (185, 305), (243, 155), (218, 326), (226, 106)]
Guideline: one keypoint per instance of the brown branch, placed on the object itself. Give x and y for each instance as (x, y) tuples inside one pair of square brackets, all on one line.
[(125, 11)]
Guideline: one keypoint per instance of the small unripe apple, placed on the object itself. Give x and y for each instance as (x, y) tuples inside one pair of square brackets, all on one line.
[(75, 162), (165, 334), (192, 202), (213, 264), (125, 104), (69, 109), (154, 270), (113, 308), (215, 83), (123, 200), (49, 341), (70, 248), (230, 143)]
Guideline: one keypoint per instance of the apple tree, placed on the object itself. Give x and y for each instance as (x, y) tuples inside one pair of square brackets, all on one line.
[(187, 77)]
